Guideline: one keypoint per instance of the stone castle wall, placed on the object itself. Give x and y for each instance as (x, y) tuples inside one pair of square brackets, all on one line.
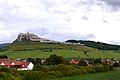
[(31, 37)]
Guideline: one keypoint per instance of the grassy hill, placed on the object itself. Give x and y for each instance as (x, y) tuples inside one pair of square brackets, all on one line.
[(65, 53), (30, 45), (28, 49), (97, 45)]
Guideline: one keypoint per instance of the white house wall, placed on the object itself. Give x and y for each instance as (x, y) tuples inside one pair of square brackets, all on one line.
[(30, 66)]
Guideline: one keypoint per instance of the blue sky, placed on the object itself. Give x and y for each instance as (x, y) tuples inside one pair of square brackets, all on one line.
[(60, 20)]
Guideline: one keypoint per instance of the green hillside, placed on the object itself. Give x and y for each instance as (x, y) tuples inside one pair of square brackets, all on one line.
[(97, 45), (65, 53), (28, 49), (30, 45)]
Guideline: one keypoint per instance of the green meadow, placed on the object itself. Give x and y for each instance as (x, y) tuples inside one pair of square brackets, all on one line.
[(43, 50), (64, 53)]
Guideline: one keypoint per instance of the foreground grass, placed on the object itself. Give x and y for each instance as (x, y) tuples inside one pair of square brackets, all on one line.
[(64, 53), (112, 75)]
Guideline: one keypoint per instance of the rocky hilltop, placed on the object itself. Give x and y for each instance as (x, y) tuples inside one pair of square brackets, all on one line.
[(31, 37)]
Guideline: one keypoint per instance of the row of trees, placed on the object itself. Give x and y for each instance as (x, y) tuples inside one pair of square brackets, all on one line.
[(51, 60), (56, 60)]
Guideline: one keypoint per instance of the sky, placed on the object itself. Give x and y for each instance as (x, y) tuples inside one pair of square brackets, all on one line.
[(61, 20)]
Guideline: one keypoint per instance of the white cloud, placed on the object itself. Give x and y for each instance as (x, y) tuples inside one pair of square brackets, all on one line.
[(52, 18)]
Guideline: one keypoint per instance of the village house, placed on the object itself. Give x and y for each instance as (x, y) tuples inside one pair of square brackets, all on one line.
[(74, 61), (19, 65)]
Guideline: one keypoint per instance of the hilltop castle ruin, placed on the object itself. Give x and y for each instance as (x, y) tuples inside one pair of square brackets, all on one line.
[(30, 37)]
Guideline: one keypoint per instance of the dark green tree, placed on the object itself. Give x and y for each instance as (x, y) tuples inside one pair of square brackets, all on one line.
[(116, 64), (97, 61), (54, 60), (37, 61), (83, 63), (31, 60)]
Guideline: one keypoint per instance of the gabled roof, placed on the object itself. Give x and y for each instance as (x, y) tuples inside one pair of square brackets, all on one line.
[(25, 64), (8, 62)]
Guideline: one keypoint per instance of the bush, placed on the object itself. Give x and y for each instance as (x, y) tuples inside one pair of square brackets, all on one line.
[(3, 69), (116, 64), (90, 69), (73, 72), (83, 63), (101, 68), (53, 74), (6, 76), (47, 72), (41, 68), (33, 75)]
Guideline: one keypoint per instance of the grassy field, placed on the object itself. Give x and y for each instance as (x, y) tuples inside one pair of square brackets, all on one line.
[(64, 53), (37, 50), (113, 75)]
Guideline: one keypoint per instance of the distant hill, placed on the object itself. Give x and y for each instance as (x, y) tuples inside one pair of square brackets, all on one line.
[(4, 45), (35, 45), (29, 41), (97, 45)]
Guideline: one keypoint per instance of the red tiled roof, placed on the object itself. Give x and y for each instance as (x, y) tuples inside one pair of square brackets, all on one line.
[(9, 63), (25, 64)]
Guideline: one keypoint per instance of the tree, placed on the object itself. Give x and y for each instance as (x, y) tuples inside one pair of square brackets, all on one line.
[(37, 61), (116, 64), (31, 60), (98, 61), (85, 51), (83, 63), (54, 60)]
